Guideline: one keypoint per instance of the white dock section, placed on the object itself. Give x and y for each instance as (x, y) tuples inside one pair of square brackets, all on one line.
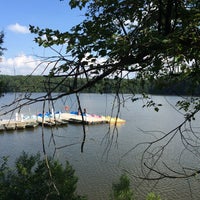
[(16, 125)]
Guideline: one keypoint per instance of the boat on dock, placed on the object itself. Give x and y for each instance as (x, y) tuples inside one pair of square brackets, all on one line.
[(88, 119)]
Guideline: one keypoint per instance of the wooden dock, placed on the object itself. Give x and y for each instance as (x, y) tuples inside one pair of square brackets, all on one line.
[(9, 125), (56, 120)]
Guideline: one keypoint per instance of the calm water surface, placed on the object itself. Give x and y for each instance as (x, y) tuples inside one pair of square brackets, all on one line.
[(104, 158)]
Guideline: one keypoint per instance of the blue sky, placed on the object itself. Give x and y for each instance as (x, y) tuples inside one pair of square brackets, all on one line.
[(16, 16)]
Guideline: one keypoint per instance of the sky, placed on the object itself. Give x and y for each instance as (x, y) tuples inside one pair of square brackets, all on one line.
[(21, 56)]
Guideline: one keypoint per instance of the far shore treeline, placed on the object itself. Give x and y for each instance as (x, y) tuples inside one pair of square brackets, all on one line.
[(162, 86)]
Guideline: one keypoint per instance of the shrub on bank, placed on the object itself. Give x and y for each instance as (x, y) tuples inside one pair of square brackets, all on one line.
[(122, 191), (34, 179)]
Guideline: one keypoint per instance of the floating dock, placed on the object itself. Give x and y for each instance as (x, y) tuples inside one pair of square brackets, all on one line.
[(9, 125), (57, 119)]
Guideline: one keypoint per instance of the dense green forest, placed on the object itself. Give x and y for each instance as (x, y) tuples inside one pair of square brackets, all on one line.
[(164, 86)]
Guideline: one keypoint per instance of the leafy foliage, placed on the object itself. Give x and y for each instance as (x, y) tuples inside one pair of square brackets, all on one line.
[(121, 190), (120, 39), (1, 43), (153, 196), (34, 178), (1, 53)]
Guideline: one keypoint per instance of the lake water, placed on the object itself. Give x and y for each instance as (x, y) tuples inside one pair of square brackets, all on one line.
[(107, 150)]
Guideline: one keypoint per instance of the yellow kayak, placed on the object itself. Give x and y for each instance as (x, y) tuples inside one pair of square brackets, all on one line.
[(113, 120)]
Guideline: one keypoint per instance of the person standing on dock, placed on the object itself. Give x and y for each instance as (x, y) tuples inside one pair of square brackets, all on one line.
[(85, 112)]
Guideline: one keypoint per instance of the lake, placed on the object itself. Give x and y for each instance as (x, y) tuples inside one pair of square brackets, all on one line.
[(108, 150)]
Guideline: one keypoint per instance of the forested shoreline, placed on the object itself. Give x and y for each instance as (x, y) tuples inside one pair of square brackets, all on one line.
[(162, 86)]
